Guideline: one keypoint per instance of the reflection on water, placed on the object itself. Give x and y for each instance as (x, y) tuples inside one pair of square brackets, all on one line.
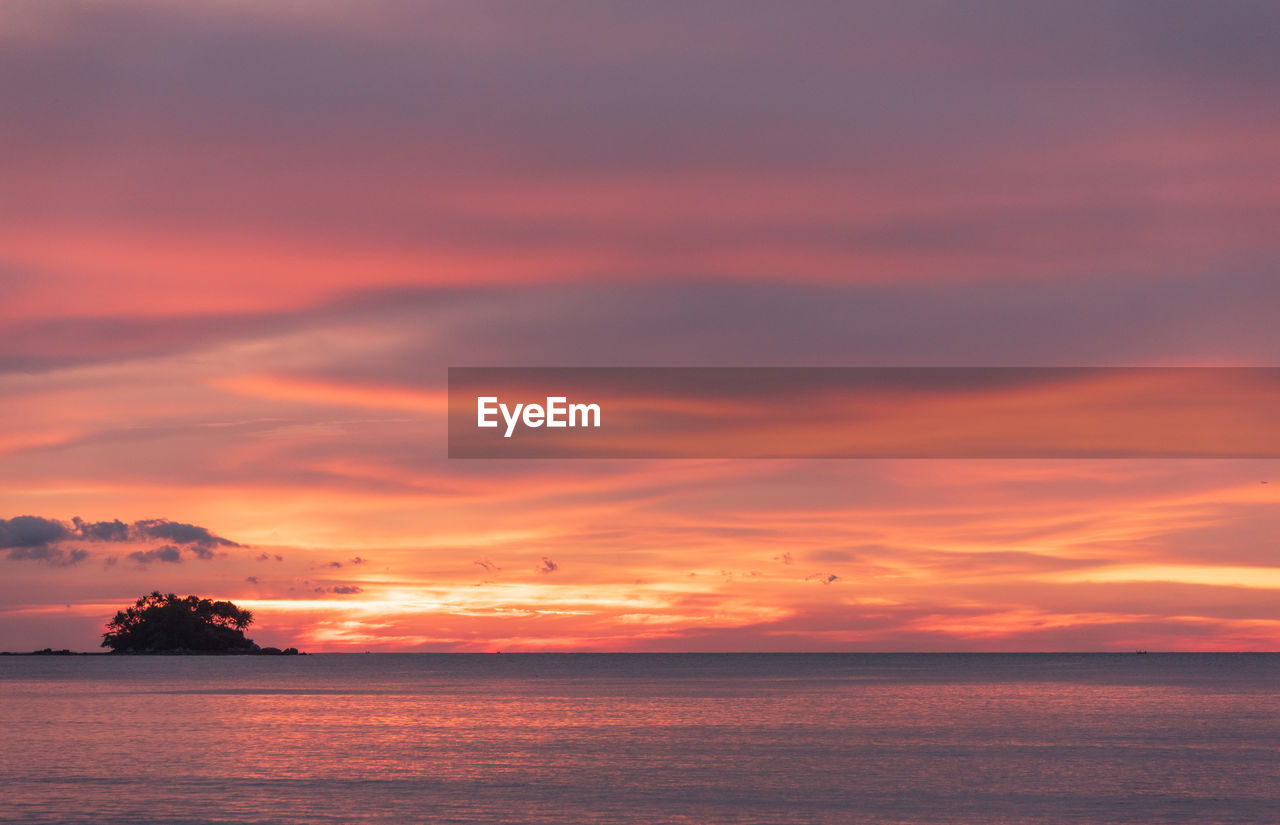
[(550, 738)]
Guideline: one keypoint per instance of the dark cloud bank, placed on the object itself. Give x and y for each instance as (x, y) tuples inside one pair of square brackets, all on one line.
[(33, 538)]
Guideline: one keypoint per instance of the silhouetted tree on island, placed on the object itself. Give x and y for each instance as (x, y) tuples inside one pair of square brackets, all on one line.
[(159, 622)]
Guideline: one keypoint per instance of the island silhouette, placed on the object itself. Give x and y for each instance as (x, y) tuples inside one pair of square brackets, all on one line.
[(168, 623)]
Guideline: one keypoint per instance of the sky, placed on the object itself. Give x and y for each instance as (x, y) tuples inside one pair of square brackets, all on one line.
[(241, 243)]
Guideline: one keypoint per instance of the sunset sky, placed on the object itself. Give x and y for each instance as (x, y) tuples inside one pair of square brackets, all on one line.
[(241, 243)]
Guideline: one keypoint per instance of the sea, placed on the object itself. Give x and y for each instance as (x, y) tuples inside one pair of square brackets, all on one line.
[(695, 739)]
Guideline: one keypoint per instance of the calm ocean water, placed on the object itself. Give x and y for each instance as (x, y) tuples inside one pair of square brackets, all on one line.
[(549, 738)]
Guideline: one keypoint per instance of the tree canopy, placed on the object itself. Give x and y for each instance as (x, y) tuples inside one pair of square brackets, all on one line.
[(166, 622)]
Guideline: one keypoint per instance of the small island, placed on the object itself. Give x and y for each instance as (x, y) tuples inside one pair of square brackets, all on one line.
[(161, 623)]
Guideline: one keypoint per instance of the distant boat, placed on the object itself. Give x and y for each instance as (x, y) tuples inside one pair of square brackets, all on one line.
[(1139, 652)]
